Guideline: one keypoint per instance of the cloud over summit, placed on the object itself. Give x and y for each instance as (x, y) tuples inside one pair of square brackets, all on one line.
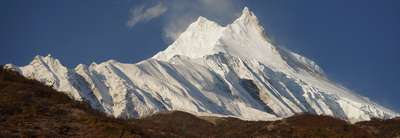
[(144, 14), (184, 12), (180, 13)]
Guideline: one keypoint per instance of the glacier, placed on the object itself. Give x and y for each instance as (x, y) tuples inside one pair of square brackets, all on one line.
[(210, 70)]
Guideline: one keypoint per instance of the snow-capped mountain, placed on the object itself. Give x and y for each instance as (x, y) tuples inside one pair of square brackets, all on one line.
[(232, 70)]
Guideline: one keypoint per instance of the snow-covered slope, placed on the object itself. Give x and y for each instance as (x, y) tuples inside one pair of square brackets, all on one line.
[(210, 69)]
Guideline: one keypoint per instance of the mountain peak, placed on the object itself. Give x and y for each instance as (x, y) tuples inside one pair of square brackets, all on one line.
[(202, 23), (44, 58), (203, 37), (49, 56), (246, 11), (197, 40), (48, 62), (247, 17), (202, 19)]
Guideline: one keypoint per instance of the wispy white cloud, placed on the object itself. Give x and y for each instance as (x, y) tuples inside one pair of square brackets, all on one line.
[(144, 14), (178, 14)]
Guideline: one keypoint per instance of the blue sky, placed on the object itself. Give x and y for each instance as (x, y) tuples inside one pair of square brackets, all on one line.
[(356, 42)]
